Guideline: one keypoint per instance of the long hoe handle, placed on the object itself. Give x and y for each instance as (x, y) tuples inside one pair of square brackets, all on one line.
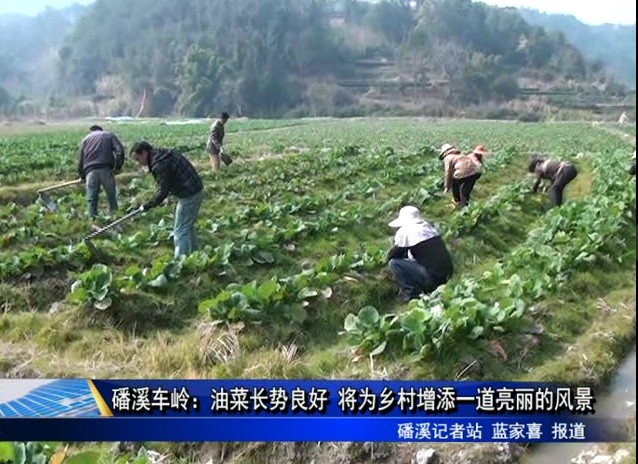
[(112, 224), (59, 186)]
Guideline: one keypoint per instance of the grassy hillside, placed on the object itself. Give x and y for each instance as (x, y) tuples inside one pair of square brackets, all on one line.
[(614, 46), (301, 216)]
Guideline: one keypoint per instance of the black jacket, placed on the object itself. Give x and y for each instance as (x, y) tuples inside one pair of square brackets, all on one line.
[(432, 254), (174, 175), (100, 149)]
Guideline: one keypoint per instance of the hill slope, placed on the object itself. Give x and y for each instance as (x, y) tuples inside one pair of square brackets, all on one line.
[(614, 45), (264, 57), (29, 46), (268, 57)]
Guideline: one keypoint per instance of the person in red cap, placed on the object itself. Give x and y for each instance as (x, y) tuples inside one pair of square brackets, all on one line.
[(461, 172)]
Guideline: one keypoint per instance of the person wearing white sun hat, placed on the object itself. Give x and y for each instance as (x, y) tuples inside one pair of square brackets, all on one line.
[(419, 260)]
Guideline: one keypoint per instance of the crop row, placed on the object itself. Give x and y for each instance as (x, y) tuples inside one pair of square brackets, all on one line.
[(53, 155), (268, 223), (270, 299), (568, 238)]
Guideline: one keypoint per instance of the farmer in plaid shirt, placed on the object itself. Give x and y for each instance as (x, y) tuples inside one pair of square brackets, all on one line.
[(215, 143), (174, 175)]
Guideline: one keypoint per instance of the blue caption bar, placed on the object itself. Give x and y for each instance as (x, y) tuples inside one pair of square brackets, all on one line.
[(300, 429), (309, 398)]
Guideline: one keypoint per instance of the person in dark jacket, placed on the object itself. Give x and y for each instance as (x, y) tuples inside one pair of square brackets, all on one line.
[(558, 173), (101, 156), (419, 260), (215, 143), (174, 175)]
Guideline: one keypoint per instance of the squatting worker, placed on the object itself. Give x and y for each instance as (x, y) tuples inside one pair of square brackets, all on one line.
[(558, 173), (419, 260), (215, 143), (175, 175), (101, 156), (461, 173)]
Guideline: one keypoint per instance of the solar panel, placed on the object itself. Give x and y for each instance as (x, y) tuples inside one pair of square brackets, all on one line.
[(46, 398)]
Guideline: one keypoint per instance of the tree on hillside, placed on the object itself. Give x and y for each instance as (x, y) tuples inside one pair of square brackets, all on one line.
[(266, 57), (611, 45)]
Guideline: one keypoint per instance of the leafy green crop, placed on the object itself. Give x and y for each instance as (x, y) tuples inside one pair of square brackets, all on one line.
[(575, 235)]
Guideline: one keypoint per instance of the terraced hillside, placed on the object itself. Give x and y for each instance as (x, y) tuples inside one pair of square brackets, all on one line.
[(293, 239)]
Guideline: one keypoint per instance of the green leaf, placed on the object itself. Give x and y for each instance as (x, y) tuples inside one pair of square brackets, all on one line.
[(350, 324), (76, 286), (20, 453), (413, 321), (378, 350), (159, 281), (477, 332), (7, 452), (267, 289), (39, 459), (369, 316), (307, 293), (204, 306), (103, 304), (87, 457), (264, 257)]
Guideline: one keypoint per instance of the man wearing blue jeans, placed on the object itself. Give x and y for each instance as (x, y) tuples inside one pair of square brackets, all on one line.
[(174, 175), (101, 155), (419, 260)]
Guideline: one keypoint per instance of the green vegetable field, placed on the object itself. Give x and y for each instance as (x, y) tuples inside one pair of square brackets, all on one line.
[(290, 278)]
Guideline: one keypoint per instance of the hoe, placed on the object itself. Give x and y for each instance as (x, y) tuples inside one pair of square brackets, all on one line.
[(87, 240), (46, 199)]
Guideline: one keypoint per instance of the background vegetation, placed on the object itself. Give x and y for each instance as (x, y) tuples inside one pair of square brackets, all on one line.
[(311, 58)]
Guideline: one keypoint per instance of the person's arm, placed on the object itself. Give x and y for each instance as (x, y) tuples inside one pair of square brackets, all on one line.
[(397, 252), (118, 150), (162, 177), (539, 179), (81, 161), (449, 175)]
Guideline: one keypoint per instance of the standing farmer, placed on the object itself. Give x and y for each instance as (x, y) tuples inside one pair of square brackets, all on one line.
[(558, 173), (419, 259), (175, 175), (215, 144), (461, 173), (101, 155)]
